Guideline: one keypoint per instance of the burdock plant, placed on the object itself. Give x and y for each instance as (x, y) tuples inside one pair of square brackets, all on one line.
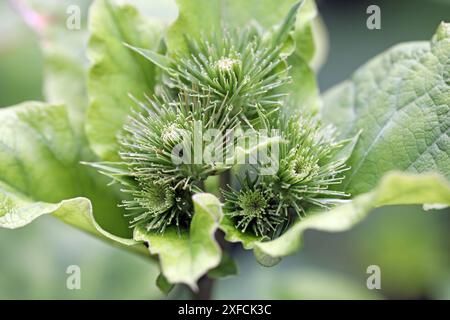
[(222, 83), (212, 131)]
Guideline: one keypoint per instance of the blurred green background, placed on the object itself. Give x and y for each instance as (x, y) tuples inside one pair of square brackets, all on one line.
[(412, 247)]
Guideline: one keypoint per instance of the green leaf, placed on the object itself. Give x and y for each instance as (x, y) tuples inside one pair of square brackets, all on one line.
[(394, 189), (226, 268), (284, 30), (16, 211), (310, 51), (401, 102), (116, 171), (347, 150), (303, 91), (40, 174), (194, 15), (188, 255), (163, 285), (308, 34), (116, 71), (157, 59), (232, 234)]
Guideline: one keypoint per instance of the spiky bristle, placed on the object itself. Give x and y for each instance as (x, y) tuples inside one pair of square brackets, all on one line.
[(237, 66), (306, 173)]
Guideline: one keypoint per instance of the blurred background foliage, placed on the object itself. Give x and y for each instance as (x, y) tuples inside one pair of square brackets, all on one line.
[(412, 247)]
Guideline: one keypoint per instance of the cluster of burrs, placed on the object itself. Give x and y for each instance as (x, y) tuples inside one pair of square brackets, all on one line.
[(235, 79)]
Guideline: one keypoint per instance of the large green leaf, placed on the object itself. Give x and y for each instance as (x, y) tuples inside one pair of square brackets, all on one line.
[(116, 72), (200, 17), (188, 255), (401, 101), (17, 211), (40, 174), (394, 189)]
